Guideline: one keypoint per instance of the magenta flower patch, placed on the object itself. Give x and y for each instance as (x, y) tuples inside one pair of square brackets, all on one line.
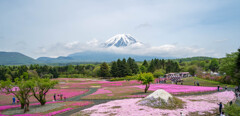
[(101, 91), (176, 89)]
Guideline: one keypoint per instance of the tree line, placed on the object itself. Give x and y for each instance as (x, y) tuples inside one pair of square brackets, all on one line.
[(129, 67)]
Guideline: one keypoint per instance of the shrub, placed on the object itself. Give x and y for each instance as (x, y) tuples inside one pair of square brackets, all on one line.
[(124, 78), (159, 73), (232, 110), (74, 76)]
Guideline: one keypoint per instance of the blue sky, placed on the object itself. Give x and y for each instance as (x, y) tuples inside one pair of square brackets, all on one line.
[(169, 28)]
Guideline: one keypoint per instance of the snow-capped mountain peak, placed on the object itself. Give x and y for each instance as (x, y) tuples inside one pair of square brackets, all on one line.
[(121, 40)]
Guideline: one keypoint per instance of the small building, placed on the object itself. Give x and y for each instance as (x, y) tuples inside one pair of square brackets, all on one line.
[(180, 75)]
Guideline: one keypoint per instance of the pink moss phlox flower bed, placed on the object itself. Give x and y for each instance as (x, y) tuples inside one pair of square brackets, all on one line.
[(101, 91), (67, 92), (7, 99), (88, 84), (176, 89), (129, 107)]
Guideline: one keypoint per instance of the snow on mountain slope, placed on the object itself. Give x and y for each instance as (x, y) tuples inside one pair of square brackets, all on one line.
[(122, 40)]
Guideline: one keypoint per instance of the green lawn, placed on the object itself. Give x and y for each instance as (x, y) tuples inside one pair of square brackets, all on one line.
[(202, 82)]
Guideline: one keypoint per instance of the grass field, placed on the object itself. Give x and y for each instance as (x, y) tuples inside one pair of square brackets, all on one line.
[(202, 82)]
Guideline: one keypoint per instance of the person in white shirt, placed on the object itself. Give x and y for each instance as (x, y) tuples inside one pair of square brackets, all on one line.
[(222, 114)]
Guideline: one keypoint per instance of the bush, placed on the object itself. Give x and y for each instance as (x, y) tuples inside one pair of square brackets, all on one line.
[(74, 76), (159, 73), (124, 78), (232, 110)]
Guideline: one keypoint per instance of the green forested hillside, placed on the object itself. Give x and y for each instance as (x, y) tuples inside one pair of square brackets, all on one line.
[(15, 58), (198, 58)]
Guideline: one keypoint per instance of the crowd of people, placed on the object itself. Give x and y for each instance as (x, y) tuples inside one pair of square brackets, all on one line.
[(60, 96)]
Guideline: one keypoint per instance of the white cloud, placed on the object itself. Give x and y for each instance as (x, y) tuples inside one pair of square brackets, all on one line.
[(93, 42), (71, 44), (165, 50)]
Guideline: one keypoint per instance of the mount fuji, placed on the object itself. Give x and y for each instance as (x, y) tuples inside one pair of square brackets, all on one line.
[(122, 40), (117, 41)]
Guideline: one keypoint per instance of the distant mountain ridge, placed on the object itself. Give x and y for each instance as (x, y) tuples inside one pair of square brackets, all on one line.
[(16, 58), (91, 56)]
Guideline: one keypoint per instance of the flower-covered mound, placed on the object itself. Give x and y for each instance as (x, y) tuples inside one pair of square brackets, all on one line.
[(171, 103), (193, 104), (161, 99)]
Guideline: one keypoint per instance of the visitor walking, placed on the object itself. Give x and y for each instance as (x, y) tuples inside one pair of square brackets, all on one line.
[(181, 114), (197, 83), (220, 107), (230, 103), (225, 87), (17, 101), (61, 95), (194, 83), (13, 99), (218, 87), (54, 97)]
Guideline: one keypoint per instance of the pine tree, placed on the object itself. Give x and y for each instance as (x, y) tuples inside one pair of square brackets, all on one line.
[(125, 68), (132, 65), (119, 67), (114, 69), (152, 67), (104, 70), (145, 63)]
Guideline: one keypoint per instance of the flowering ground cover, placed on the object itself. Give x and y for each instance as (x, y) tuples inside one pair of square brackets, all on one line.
[(177, 89), (7, 99), (137, 91), (117, 93), (198, 105), (48, 112), (94, 83)]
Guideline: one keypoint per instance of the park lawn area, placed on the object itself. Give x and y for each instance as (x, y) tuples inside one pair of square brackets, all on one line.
[(202, 82), (118, 93)]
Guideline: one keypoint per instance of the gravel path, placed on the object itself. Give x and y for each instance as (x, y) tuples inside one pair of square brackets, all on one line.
[(78, 98)]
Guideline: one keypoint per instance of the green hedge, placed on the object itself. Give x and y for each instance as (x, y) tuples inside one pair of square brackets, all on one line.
[(74, 76), (124, 78), (233, 110)]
